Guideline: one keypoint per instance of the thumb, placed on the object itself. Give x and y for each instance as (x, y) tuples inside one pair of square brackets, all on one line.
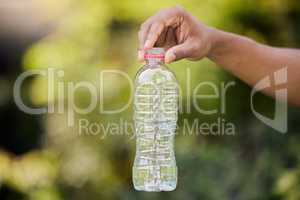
[(178, 52)]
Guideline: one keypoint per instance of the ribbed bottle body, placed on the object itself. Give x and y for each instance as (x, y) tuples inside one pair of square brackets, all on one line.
[(155, 118)]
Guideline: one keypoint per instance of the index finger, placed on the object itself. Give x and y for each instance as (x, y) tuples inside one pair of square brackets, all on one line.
[(142, 34), (154, 26), (162, 20)]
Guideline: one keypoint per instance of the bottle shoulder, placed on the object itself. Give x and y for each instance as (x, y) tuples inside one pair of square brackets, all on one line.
[(159, 73)]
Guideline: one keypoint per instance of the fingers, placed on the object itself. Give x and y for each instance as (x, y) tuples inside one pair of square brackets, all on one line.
[(178, 52), (142, 38), (143, 32), (154, 32), (151, 30), (162, 39), (170, 38)]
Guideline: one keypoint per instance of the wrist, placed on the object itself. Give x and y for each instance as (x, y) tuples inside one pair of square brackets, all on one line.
[(225, 43), (218, 40)]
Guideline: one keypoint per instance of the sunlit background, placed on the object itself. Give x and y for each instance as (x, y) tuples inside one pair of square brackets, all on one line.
[(41, 158)]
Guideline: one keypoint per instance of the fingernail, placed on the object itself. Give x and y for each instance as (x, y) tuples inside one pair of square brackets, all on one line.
[(170, 58), (147, 44)]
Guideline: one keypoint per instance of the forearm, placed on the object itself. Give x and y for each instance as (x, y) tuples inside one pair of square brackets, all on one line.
[(251, 61)]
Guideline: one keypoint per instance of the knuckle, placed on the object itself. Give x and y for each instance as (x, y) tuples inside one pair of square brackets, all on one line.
[(156, 25), (177, 10)]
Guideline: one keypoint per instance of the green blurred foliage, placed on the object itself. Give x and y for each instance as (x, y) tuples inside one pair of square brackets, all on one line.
[(255, 163)]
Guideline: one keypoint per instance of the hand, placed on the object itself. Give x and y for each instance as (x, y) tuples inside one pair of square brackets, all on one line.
[(182, 35)]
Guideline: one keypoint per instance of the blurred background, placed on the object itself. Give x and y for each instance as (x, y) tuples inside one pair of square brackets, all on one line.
[(41, 158)]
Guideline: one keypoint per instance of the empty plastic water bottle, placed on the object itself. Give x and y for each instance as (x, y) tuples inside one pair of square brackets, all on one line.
[(155, 117)]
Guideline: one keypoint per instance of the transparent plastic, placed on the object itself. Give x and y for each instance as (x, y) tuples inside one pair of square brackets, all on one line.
[(155, 117)]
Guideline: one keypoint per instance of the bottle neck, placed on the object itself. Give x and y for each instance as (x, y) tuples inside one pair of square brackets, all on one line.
[(154, 57), (152, 62)]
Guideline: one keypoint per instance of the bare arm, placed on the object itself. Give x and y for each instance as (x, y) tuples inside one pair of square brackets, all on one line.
[(251, 61), (185, 37)]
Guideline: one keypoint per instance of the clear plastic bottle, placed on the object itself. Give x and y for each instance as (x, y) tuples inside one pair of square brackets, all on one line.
[(155, 117)]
